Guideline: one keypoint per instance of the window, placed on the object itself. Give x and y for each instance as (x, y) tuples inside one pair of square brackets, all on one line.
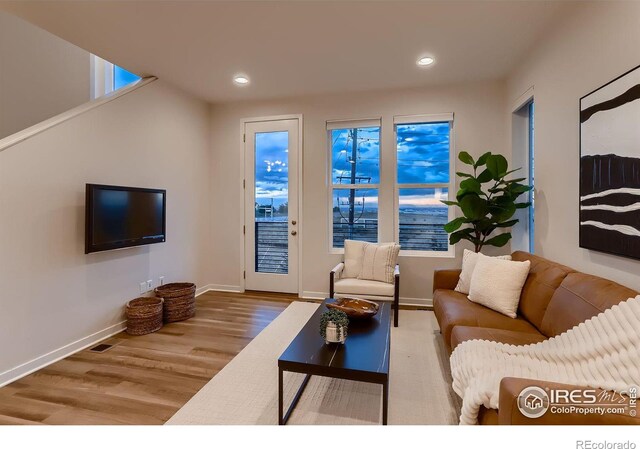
[(522, 135), (355, 179), (122, 78), (423, 177), (107, 77)]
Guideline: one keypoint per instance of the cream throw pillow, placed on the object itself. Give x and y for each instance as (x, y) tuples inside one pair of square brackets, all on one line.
[(469, 259), (497, 283), (353, 254), (379, 262)]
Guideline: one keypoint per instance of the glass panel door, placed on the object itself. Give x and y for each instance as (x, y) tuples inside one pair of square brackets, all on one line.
[(271, 206), (272, 202)]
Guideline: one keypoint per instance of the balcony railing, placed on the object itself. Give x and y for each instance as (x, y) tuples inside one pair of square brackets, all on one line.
[(413, 236), (423, 237), (366, 232), (272, 247), (272, 251), (272, 240)]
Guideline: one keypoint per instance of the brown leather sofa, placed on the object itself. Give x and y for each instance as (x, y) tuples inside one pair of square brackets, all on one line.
[(554, 299)]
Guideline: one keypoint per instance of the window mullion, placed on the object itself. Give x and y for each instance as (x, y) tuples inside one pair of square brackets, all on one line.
[(355, 186), (423, 186)]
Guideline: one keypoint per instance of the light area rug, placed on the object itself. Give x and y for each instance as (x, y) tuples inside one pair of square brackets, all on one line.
[(246, 390)]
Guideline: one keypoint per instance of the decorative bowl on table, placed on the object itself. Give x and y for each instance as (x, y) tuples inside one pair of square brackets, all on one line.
[(355, 307)]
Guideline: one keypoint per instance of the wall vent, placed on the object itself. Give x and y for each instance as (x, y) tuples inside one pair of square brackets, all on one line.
[(102, 347)]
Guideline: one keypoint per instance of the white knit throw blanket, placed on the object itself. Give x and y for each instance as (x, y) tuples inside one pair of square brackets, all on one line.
[(603, 352)]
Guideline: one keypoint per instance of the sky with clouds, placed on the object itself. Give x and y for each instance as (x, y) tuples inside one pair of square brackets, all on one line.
[(272, 167), (423, 153), (423, 157), (367, 161)]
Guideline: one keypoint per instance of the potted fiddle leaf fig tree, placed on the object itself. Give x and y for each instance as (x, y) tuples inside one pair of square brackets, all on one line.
[(487, 200)]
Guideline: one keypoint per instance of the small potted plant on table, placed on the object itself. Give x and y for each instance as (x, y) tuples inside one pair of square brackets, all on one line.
[(333, 326)]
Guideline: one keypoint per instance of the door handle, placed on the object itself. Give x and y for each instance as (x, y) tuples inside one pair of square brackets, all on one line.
[(293, 232), (294, 222)]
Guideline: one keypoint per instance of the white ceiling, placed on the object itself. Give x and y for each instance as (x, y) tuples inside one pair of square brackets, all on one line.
[(303, 47)]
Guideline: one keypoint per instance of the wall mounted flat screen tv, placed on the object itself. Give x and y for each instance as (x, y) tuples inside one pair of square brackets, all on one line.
[(121, 217)]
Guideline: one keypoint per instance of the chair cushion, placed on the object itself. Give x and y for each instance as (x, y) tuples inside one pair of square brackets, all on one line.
[(464, 333), (363, 287), (353, 254), (454, 309), (379, 262)]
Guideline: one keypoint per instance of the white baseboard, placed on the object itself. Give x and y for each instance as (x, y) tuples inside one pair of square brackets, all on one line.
[(218, 288), (420, 302), (29, 367), (314, 295)]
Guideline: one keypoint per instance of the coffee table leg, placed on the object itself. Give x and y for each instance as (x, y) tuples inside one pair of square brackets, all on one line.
[(280, 400), (294, 402), (385, 402)]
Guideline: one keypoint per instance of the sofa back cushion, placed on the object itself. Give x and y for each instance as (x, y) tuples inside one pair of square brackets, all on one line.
[(580, 297), (544, 278)]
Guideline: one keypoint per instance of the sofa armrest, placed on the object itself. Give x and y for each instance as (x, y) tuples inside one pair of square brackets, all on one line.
[(508, 412), (445, 279)]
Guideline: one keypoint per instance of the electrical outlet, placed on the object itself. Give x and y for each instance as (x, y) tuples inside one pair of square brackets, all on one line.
[(161, 280), (149, 285), (143, 287)]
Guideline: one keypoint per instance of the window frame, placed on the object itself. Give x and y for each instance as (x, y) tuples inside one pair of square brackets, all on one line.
[(423, 119), (332, 125), (101, 77)]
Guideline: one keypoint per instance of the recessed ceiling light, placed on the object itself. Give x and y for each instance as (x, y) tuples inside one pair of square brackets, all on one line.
[(424, 61), (241, 80)]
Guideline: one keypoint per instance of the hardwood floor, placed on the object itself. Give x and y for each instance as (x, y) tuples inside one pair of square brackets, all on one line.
[(142, 379)]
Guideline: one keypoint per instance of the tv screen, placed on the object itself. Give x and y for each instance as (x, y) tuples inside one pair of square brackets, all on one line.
[(120, 217)]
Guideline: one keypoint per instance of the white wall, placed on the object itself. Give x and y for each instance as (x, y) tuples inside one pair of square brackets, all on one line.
[(596, 44), (41, 75), (479, 126), (52, 294)]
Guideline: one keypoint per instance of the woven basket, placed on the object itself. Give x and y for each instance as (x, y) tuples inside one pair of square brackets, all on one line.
[(144, 315), (179, 301)]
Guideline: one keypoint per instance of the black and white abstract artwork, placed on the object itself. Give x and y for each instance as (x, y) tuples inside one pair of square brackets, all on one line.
[(610, 167)]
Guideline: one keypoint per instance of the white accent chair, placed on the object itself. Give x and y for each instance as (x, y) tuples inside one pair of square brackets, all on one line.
[(373, 290)]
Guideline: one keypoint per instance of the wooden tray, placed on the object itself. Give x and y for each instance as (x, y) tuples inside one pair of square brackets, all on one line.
[(355, 307)]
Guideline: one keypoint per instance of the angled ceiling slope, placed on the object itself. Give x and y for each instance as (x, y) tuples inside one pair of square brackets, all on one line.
[(299, 48)]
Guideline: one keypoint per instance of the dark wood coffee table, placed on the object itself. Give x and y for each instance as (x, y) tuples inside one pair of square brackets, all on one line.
[(364, 356)]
